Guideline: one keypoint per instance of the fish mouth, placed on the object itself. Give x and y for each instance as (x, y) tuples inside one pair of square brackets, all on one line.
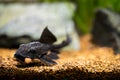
[(19, 57)]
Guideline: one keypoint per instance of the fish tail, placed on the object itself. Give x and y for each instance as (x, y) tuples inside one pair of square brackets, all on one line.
[(63, 44)]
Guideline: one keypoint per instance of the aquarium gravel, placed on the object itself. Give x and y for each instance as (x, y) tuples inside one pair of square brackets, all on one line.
[(91, 62)]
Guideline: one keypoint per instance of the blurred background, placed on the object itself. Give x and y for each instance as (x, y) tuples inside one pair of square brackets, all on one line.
[(83, 15), (85, 10)]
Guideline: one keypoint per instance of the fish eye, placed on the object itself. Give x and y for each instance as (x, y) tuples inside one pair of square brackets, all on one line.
[(22, 45)]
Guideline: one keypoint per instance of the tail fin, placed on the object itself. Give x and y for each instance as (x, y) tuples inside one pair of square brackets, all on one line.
[(63, 44)]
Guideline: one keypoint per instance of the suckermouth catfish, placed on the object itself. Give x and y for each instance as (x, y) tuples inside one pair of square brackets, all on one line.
[(43, 49)]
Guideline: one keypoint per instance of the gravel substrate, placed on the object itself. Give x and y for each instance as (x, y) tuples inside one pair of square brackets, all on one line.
[(92, 63)]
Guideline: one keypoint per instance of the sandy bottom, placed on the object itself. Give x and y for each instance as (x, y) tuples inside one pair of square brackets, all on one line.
[(91, 62)]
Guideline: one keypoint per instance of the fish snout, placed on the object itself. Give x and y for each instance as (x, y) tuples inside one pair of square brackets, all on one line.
[(19, 57)]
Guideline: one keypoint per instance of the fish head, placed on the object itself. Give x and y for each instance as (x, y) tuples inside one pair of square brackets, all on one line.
[(31, 50)]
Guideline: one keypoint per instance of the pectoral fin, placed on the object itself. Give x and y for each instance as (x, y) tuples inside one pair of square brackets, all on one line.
[(47, 60), (53, 55), (47, 37)]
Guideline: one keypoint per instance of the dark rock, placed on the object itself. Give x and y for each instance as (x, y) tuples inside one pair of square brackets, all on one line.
[(106, 29), (13, 42)]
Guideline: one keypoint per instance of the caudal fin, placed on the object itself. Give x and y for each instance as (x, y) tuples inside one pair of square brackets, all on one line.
[(63, 44)]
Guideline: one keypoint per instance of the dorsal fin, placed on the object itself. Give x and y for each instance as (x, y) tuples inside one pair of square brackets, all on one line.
[(47, 37)]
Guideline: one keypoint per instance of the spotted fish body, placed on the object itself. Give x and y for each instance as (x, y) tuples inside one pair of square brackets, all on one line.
[(44, 49)]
